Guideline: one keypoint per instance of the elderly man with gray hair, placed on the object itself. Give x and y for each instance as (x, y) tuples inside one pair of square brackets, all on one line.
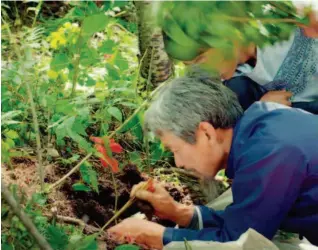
[(270, 151)]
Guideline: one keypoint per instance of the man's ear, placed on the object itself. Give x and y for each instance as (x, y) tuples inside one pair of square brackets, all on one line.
[(207, 129)]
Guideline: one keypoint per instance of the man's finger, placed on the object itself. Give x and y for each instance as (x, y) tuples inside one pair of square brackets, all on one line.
[(135, 188), (288, 94), (145, 195)]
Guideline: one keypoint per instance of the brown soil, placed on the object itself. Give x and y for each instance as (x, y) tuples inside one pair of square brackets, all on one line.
[(98, 208), (91, 207)]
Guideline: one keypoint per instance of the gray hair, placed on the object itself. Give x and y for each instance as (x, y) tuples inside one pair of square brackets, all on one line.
[(181, 105)]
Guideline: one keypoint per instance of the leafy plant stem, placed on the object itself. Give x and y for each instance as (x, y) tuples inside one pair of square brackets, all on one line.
[(73, 170), (33, 110), (37, 11), (26, 221), (37, 134)]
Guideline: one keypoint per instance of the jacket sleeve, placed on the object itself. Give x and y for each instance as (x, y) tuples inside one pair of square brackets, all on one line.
[(266, 184)]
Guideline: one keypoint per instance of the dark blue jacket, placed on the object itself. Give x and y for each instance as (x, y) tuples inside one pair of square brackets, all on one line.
[(274, 166)]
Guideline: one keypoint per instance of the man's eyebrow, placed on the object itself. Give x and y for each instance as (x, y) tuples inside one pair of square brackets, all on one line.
[(167, 147)]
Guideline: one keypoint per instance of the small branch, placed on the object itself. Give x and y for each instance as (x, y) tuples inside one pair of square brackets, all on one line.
[(120, 14), (66, 219), (116, 191), (26, 221), (60, 181)]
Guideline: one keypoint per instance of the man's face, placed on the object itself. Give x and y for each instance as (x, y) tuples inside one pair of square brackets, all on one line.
[(205, 156)]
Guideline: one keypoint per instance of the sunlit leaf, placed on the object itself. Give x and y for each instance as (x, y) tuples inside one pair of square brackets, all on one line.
[(11, 134), (94, 23), (60, 61), (107, 47), (115, 112)]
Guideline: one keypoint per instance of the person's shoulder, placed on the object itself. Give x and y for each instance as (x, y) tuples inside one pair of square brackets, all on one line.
[(277, 122), (266, 109)]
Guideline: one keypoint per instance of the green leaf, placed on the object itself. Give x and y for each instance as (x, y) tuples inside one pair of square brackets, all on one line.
[(93, 24), (11, 134), (81, 187), (75, 239), (107, 47), (67, 129), (112, 72), (115, 112), (127, 247), (133, 123), (121, 62), (79, 139), (39, 199), (156, 152), (60, 61), (57, 238), (5, 246), (10, 142), (88, 57), (129, 104), (90, 82), (89, 175), (84, 172), (65, 107), (88, 243), (79, 125), (135, 158)]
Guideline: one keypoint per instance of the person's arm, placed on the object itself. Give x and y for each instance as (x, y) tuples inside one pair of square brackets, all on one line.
[(310, 30), (266, 184)]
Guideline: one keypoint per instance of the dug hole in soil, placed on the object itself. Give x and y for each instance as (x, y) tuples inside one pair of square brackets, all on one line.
[(97, 208)]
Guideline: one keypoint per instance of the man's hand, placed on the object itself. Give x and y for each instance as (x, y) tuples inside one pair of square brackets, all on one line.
[(279, 96), (138, 231), (164, 205), (312, 29)]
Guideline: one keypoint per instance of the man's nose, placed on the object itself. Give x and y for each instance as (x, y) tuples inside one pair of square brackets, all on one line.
[(178, 161)]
